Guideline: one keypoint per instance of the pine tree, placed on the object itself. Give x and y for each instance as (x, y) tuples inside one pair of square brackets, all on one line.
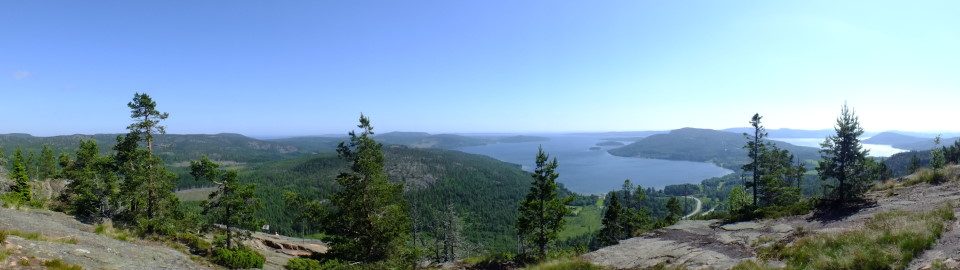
[(48, 164), (233, 204), (63, 160), (771, 167), (612, 230), (756, 147), (369, 222), (542, 211), (146, 181), (843, 157), (93, 186), (674, 211), (31, 165), (21, 181), (143, 110), (777, 171)]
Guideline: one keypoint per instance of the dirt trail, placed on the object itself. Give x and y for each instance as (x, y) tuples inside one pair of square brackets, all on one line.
[(705, 244)]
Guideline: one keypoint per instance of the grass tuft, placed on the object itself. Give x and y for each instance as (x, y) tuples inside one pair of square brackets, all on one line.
[(108, 230), (934, 177), (60, 265), (888, 241), (4, 254), (565, 264)]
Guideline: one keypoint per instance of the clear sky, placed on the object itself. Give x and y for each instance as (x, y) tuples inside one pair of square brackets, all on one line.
[(273, 68)]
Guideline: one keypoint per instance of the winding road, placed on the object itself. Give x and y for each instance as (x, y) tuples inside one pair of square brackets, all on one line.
[(695, 210)]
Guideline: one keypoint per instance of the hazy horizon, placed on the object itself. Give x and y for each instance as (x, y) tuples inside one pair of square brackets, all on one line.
[(868, 133)]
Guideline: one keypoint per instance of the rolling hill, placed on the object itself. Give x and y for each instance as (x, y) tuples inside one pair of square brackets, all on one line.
[(926, 144), (704, 145), (787, 132), (892, 138), (323, 144), (173, 148)]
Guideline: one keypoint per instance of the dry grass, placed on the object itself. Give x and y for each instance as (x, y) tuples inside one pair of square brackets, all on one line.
[(888, 241), (565, 264)]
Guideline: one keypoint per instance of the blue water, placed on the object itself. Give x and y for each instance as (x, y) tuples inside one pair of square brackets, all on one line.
[(595, 171)]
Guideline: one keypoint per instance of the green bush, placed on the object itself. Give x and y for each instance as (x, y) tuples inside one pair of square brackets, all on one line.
[(197, 245), (565, 264), (310, 264), (60, 265), (302, 264), (238, 258)]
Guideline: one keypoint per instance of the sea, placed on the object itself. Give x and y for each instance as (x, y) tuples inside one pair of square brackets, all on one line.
[(876, 150), (594, 171)]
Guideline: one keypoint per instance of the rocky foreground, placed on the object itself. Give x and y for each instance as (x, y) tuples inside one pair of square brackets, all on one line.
[(60, 236), (708, 244)]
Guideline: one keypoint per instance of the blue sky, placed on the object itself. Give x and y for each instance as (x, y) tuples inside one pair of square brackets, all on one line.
[(274, 68)]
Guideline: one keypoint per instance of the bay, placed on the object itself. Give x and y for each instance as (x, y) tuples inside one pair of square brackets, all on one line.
[(587, 171), (876, 150)]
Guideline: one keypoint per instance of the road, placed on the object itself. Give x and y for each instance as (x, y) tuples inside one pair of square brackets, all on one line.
[(695, 210)]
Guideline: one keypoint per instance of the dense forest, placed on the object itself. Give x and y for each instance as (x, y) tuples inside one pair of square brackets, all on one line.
[(483, 191)]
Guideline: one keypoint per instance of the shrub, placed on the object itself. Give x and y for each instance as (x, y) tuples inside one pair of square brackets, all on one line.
[(302, 264), (197, 245), (60, 265), (240, 257), (565, 264), (310, 264)]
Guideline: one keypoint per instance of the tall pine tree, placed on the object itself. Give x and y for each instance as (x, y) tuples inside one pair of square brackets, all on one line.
[(843, 158), (147, 185), (48, 164), (612, 230), (755, 148), (542, 211), (369, 222)]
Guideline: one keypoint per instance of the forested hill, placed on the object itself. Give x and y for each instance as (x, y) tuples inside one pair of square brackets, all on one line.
[(321, 144), (483, 191), (229, 148), (704, 145), (173, 148), (892, 138), (787, 132), (926, 144)]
